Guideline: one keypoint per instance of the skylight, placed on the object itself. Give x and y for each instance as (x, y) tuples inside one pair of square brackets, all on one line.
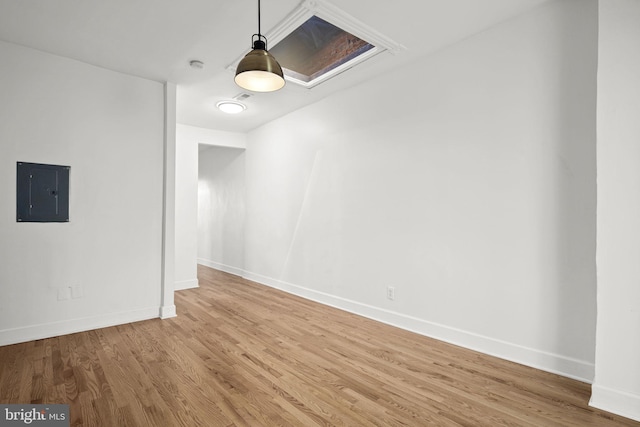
[(318, 41), (316, 48)]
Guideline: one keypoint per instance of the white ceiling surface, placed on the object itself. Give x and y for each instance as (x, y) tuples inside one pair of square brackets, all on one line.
[(156, 39)]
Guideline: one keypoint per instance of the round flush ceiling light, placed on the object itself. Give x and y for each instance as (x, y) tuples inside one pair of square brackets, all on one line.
[(231, 107)]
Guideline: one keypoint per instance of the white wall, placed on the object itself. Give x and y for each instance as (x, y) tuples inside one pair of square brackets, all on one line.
[(186, 209), (109, 128), (617, 381), (221, 208), (470, 188), (213, 137), (167, 300)]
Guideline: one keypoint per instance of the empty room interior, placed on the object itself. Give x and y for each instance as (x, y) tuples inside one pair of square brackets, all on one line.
[(431, 218)]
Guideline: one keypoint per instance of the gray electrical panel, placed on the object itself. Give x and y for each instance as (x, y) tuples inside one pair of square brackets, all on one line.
[(42, 193)]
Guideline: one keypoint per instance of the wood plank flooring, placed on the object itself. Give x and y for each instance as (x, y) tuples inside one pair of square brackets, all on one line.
[(242, 354)]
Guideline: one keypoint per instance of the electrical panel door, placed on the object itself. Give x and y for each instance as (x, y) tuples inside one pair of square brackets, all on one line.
[(42, 193)]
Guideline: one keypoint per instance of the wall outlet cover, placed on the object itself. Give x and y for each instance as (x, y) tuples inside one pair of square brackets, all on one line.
[(391, 292)]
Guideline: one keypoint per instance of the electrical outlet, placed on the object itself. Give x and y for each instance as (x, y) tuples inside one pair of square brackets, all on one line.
[(391, 293)]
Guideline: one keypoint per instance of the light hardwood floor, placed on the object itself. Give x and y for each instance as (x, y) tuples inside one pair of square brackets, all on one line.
[(244, 354)]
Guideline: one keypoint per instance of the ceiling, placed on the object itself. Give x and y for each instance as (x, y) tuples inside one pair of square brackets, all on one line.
[(156, 39)]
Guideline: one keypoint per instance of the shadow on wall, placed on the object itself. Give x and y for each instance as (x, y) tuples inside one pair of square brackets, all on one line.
[(575, 182)]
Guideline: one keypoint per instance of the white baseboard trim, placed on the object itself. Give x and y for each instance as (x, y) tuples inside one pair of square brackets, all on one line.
[(168, 311), (616, 401), (554, 363), (185, 284), (222, 267), (71, 326)]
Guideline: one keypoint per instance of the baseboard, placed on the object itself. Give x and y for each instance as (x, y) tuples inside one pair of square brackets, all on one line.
[(185, 284), (71, 326), (619, 402), (222, 267), (557, 364), (168, 311)]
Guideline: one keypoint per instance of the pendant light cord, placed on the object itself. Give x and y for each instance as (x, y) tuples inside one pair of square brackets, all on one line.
[(259, 33)]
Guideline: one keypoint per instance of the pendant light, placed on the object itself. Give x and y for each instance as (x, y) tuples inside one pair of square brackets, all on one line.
[(259, 71)]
